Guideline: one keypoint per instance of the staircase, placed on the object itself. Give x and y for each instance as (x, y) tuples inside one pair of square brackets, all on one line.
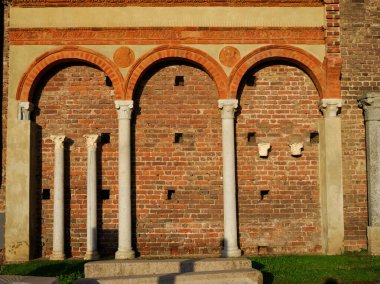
[(172, 271)]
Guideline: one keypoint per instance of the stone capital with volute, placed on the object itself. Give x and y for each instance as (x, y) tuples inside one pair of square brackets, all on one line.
[(58, 141), (124, 109), (91, 141), (228, 107), (330, 107), (370, 103)]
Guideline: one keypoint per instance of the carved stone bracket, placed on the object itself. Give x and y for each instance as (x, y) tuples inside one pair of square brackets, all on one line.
[(370, 103), (228, 108), (24, 110), (330, 107), (124, 109)]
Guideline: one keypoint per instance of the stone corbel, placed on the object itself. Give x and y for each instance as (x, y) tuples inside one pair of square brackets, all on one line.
[(264, 149), (24, 110), (330, 107), (296, 149)]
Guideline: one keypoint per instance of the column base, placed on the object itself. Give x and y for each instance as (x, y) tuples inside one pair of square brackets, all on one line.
[(373, 235), (91, 255), (57, 256), (231, 253), (128, 254)]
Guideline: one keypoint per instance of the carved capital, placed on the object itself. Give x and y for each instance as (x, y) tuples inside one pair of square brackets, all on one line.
[(228, 108), (58, 141), (124, 109), (91, 141), (24, 110), (6, 2), (370, 103), (330, 107)]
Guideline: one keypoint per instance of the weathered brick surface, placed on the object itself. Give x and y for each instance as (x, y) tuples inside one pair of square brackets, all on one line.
[(192, 221), (4, 100), (281, 108), (360, 37), (74, 100)]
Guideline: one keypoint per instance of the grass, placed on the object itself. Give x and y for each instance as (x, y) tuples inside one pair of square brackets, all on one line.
[(346, 268), (66, 270)]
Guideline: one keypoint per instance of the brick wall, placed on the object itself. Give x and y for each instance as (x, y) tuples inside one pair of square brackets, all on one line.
[(360, 46), (74, 100), (4, 100), (192, 221), (280, 108)]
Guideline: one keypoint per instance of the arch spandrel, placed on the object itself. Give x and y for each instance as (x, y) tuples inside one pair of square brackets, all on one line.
[(167, 52), (63, 55)]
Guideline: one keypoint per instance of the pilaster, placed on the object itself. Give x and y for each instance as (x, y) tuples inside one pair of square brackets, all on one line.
[(331, 177)]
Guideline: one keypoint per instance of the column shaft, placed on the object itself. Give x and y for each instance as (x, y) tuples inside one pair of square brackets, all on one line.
[(125, 250), (58, 227), (371, 105), (92, 250), (229, 180)]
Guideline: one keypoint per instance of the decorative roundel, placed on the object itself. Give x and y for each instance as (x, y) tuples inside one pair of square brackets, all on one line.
[(124, 56), (229, 56)]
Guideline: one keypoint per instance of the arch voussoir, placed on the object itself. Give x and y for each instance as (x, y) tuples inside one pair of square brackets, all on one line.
[(64, 54)]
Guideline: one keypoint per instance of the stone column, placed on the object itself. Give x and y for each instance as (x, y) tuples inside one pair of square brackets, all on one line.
[(58, 227), (124, 111), (331, 177), (92, 250), (371, 106), (228, 108)]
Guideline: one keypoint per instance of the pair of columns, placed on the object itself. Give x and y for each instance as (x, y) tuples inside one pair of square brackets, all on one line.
[(58, 214)]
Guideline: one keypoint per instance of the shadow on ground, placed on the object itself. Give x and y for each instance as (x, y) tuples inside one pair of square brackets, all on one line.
[(267, 276)]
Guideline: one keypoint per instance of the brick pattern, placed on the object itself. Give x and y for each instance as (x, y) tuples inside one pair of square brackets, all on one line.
[(4, 104), (281, 108), (74, 100), (192, 221), (360, 74), (167, 35), (169, 3), (332, 27)]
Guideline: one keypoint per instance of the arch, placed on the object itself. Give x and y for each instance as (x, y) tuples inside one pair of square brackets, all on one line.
[(307, 62), (67, 54), (211, 66)]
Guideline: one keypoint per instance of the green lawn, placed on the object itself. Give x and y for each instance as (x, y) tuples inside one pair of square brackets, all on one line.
[(347, 268), (66, 270)]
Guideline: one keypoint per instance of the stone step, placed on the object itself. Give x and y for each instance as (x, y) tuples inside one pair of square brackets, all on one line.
[(236, 276), (14, 279), (112, 268)]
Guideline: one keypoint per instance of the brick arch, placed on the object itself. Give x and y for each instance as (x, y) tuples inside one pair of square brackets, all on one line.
[(67, 54), (304, 60), (210, 65)]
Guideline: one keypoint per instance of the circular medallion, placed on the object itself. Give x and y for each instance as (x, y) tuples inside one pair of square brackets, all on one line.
[(123, 56), (229, 56)]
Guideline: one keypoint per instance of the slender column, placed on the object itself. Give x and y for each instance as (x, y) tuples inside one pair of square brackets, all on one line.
[(371, 106), (331, 177), (124, 111), (58, 227), (228, 108), (92, 250)]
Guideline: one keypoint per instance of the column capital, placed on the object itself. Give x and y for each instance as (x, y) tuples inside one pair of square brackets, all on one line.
[(370, 103), (330, 107), (58, 141), (6, 2), (124, 109), (228, 107), (92, 140), (24, 110)]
